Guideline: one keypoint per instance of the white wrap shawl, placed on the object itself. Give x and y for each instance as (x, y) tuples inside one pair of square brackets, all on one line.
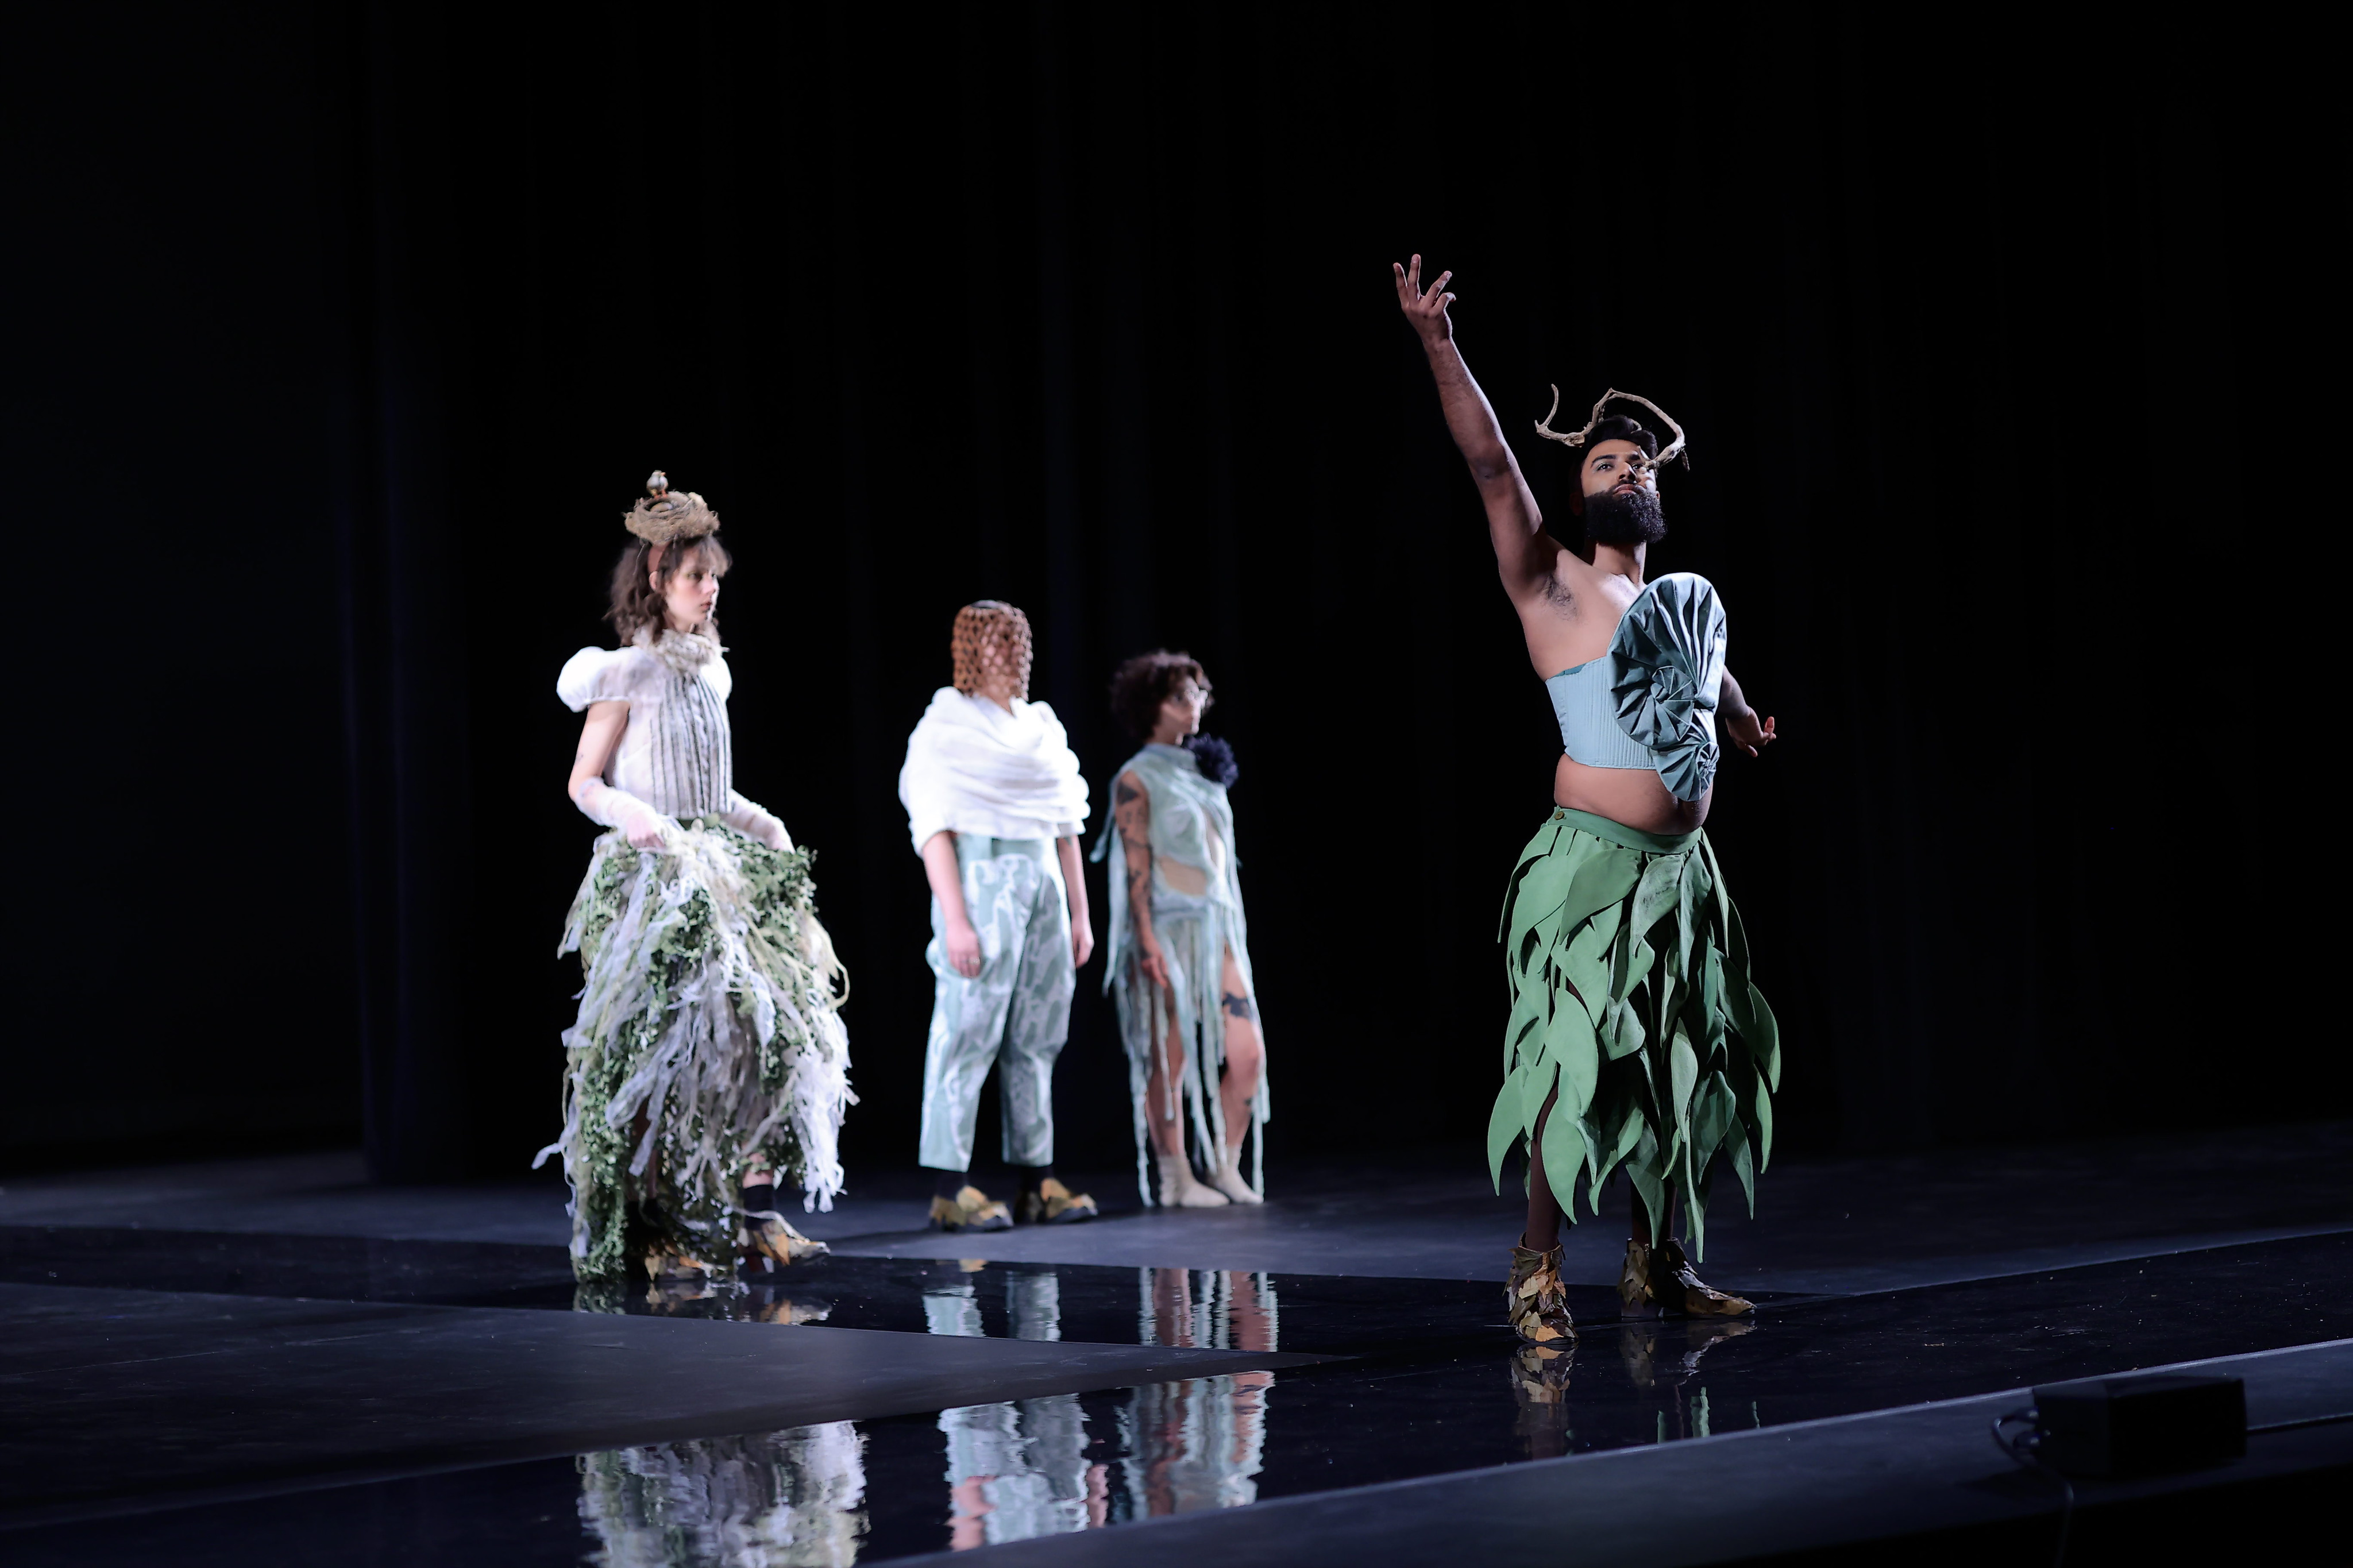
[(972, 768)]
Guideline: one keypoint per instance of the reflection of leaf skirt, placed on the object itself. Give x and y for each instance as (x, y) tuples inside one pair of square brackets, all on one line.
[(766, 1500), (1628, 976), (709, 1031)]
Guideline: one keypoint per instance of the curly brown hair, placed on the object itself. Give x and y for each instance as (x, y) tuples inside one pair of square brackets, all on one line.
[(638, 584), (983, 625), (1140, 686)]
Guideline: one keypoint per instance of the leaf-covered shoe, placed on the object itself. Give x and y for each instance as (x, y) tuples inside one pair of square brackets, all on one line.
[(1540, 1373), (1660, 1279), (664, 1261), (770, 1241), (1054, 1204), (1540, 1390), (1534, 1300), (970, 1209)]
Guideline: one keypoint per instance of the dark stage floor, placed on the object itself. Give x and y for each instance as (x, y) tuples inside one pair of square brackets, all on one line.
[(266, 1360)]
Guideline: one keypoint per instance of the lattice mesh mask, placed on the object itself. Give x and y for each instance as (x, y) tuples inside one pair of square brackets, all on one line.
[(990, 623)]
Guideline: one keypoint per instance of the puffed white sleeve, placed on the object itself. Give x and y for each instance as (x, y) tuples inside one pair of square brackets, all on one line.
[(595, 675)]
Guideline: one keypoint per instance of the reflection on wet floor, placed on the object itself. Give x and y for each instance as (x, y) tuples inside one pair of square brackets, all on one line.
[(1659, 1358), (1021, 1469), (769, 1497), (1012, 1470), (1427, 1381)]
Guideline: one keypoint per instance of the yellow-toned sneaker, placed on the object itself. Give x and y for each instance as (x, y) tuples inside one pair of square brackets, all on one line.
[(1054, 1204), (970, 1209), (1538, 1306)]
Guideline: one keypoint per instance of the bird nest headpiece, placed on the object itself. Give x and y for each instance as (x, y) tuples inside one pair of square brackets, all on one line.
[(663, 519), (1579, 438)]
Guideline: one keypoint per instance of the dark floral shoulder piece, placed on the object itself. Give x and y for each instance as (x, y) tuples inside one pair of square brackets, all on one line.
[(1214, 758)]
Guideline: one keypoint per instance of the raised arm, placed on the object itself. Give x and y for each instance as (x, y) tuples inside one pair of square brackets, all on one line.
[(1523, 553), (1132, 810)]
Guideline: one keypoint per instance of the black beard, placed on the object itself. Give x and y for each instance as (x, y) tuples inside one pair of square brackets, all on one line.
[(1624, 517)]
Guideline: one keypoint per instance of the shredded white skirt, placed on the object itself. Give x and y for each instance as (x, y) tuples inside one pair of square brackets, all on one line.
[(709, 1037)]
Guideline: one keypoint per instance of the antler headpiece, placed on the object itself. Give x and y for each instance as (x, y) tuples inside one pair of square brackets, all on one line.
[(1674, 448), (664, 519)]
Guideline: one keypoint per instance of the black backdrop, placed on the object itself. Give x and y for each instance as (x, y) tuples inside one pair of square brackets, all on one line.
[(341, 335)]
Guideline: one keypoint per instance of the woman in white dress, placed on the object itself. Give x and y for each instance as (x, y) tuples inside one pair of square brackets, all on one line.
[(709, 1065)]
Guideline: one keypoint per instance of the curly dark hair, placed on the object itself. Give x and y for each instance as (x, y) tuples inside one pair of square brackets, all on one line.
[(639, 582), (1140, 686)]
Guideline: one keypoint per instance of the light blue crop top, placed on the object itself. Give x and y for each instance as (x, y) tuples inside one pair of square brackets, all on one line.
[(1649, 701)]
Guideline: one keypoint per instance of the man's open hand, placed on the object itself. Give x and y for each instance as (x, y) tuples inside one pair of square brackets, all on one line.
[(1748, 732), (1424, 308)]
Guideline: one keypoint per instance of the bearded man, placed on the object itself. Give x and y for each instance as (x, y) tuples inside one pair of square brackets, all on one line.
[(1635, 1038)]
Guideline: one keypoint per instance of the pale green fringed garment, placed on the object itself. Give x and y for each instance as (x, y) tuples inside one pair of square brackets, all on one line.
[(1192, 826), (709, 1031), (1628, 976)]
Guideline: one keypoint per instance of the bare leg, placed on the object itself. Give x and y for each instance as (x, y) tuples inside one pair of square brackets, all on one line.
[(1245, 1052), (1165, 1116), (1164, 1105)]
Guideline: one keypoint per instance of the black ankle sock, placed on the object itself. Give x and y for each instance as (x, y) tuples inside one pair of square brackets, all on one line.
[(950, 1183), (1034, 1176), (760, 1198)]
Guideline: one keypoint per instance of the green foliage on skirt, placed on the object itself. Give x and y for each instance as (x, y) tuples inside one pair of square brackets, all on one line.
[(1629, 976)]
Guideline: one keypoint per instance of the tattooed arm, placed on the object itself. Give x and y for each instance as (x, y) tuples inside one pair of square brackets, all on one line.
[(1132, 810)]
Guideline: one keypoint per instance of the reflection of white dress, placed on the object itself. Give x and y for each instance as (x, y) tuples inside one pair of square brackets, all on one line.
[(772, 1500)]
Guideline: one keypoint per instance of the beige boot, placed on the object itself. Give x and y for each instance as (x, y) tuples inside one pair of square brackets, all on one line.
[(1178, 1190), (1228, 1178)]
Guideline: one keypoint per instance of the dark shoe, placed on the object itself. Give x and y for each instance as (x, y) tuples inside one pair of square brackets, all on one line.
[(1054, 1204), (1660, 1280), (1536, 1304), (970, 1209)]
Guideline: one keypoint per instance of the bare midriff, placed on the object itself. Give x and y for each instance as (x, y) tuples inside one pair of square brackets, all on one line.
[(1634, 796)]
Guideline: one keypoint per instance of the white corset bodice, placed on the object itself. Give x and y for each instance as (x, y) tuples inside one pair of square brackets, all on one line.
[(675, 753)]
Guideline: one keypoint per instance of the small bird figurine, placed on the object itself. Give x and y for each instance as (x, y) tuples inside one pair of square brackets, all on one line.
[(659, 485)]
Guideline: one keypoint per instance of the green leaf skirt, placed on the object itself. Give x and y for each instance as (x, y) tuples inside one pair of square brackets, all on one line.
[(1628, 977), (709, 1036)]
